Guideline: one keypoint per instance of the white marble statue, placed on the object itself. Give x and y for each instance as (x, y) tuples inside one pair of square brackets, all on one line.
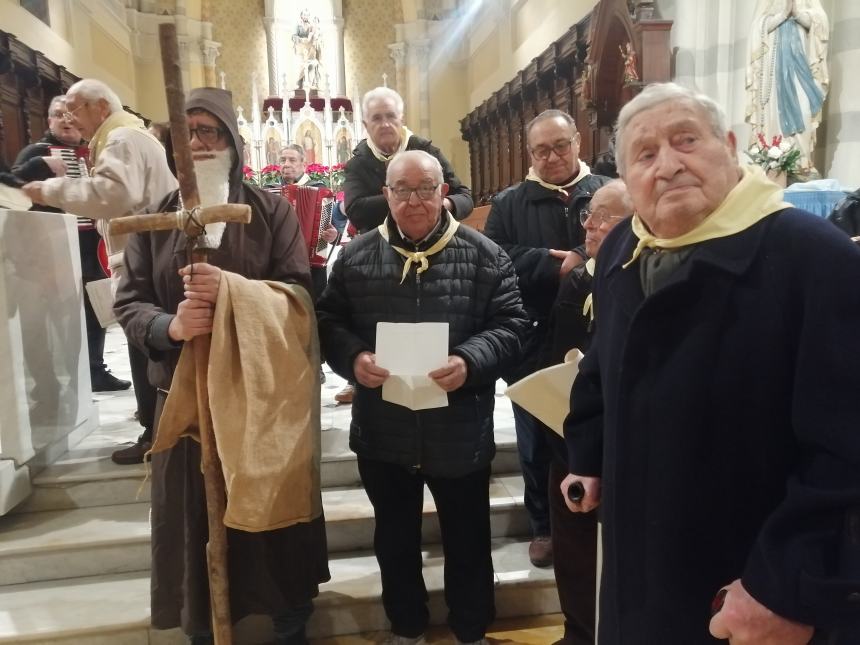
[(787, 77)]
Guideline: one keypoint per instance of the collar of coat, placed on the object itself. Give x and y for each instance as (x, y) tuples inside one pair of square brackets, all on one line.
[(563, 189), (752, 199), (431, 245)]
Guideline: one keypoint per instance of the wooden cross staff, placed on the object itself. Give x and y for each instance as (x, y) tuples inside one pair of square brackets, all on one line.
[(191, 219)]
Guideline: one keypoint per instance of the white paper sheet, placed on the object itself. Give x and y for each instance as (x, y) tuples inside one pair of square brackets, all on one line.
[(546, 393), (409, 351)]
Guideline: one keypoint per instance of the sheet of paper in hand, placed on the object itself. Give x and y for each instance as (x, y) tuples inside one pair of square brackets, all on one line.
[(409, 351), (546, 393)]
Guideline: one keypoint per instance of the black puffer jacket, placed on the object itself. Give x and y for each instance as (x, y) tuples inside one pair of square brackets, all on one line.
[(364, 178), (527, 220), (471, 285)]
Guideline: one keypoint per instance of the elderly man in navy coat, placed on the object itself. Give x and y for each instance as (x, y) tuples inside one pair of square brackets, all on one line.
[(715, 417)]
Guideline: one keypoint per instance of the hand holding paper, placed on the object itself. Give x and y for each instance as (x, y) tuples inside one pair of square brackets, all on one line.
[(452, 376), (367, 372)]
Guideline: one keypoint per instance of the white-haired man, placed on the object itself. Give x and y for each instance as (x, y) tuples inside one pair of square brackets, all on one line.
[(420, 265), (714, 418), (129, 174), (364, 176)]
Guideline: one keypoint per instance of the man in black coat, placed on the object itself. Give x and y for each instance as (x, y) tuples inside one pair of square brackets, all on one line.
[(35, 163), (420, 265), (714, 418), (537, 223), (364, 176)]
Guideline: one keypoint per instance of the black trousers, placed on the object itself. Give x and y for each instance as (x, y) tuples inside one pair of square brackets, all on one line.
[(88, 241), (574, 547), (463, 506)]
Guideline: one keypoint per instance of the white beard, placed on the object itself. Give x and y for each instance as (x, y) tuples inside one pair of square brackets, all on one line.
[(213, 185)]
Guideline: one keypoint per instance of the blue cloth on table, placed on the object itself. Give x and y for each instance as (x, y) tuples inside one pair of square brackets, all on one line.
[(818, 202)]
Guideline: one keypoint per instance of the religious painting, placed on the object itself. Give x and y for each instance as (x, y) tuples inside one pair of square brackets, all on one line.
[(247, 143), (308, 136), (343, 145), (272, 144)]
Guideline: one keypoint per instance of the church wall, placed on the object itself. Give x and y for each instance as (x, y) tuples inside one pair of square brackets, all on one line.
[(368, 30), (509, 34), (85, 40), (238, 26)]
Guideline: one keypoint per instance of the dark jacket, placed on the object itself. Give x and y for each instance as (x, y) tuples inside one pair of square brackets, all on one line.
[(30, 166), (364, 178), (846, 214), (471, 285), (721, 413), (527, 220)]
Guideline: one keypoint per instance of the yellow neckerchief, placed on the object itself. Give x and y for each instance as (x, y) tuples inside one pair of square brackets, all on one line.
[(584, 171), (420, 257), (120, 119), (303, 180), (405, 133), (751, 200), (588, 306)]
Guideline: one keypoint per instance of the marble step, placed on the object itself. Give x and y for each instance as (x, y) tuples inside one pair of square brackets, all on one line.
[(86, 476), (114, 609), (53, 545)]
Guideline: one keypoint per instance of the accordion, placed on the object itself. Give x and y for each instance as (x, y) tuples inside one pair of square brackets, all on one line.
[(75, 158), (314, 209)]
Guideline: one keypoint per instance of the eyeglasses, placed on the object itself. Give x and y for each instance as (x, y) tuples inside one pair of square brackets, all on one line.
[(403, 194), (207, 134), (68, 116), (600, 214), (560, 148)]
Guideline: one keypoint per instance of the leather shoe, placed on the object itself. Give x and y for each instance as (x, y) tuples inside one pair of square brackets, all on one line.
[(107, 382), (346, 394), (133, 454), (540, 551)]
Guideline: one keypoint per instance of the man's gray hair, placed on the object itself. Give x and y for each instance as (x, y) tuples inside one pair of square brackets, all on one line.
[(551, 114), (418, 156), (295, 148), (91, 89), (657, 94), (382, 93), (620, 187), (60, 98)]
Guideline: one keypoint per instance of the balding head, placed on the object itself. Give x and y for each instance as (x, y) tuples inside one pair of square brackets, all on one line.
[(610, 205), (415, 190)]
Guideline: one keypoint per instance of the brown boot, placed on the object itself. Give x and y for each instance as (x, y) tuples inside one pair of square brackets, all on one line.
[(133, 454), (345, 395), (540, 551)]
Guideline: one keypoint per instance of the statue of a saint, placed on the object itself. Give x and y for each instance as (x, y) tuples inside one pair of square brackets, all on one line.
[(787, 77), (307, 43)]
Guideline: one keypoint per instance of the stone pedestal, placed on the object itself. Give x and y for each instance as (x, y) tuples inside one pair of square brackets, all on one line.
[(45, 391)]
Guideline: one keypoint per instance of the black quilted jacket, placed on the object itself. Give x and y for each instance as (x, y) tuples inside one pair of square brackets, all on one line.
[(471, 285)]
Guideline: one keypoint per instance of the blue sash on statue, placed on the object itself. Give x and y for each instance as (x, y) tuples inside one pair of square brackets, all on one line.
[(790, 63)]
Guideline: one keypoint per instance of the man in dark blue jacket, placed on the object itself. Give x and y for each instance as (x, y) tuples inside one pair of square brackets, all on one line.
[(714, 418), (420, 265)]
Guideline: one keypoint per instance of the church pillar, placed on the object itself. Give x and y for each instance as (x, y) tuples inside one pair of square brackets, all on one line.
[(210, 52), (420, 52), (340, 85), (397, 51), (271, 57)]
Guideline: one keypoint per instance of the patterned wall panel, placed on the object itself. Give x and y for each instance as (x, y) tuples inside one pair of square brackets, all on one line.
[(368, 30), (238, 26)]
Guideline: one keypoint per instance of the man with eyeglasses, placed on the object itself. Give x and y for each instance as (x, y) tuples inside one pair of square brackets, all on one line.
[(161, 303), (129, 173), (420, 265), (537, 223), (35, 163)]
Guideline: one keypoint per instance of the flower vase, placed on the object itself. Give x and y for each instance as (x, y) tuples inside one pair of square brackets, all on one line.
[(778, 177)]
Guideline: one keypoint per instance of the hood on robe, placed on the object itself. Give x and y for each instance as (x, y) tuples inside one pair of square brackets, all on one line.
[(219, 103)]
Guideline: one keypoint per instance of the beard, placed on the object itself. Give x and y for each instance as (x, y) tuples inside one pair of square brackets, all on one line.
[(213, 186)]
